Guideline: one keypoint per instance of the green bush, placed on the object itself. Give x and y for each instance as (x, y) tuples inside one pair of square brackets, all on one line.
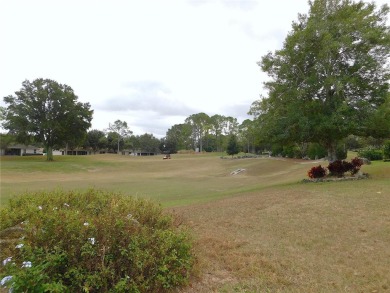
[(92, 242), (316, 150), (341, 152), (386, 150), (276, 150), (371, 154)]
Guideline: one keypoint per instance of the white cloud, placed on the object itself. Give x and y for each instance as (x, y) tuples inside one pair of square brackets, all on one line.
[(151, 63)]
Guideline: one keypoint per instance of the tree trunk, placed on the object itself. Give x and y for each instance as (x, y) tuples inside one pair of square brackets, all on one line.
[(332, 155), (49, 153), (118, 146)]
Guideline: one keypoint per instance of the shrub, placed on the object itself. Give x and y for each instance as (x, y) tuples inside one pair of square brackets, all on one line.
[(317, 172), (276, 150), (338, 168), (356, 164), (316, 151), (291, 151), (341, 152), (371, 154), (93, 242), (386, 150)]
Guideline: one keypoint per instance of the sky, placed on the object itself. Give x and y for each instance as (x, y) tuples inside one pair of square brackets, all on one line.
[(151, 63)]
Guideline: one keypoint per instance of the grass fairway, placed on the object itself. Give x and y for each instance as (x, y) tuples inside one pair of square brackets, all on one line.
[(259, 231), (185, 179)]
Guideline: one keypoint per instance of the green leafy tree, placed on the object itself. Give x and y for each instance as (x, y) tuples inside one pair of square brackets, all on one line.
[(3, 113), (232, 146), (247, 134), (200, 124), (112, 142), (149, 143), (217, 123), (178, 137), (95, 140), (386, 150), (48, 112), (331, 76), (121, 129), (6, 140)]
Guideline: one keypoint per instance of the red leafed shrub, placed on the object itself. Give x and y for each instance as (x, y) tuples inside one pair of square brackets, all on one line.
[(338, 168), (356, 164), (317, 172)]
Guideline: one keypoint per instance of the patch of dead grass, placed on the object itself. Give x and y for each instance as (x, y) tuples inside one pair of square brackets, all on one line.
[(294, 239)]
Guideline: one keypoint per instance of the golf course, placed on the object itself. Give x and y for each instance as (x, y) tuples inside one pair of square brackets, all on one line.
[(258, 230)]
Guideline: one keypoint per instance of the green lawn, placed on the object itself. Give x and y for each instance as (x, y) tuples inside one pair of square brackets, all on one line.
[(262, 230), (182, 180)]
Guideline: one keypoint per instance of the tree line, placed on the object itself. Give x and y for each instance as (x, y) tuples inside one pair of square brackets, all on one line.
[(328, 86)]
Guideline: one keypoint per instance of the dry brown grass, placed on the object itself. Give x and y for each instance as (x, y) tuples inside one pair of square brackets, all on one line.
[(259, 231), (331, 237)]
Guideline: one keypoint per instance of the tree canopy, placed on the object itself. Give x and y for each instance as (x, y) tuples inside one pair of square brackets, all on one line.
[(121, 129), (48, 112), (331, 76), (232, 146)]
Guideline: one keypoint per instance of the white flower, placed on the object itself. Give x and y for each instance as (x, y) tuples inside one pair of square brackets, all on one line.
[(86, 224), (7, 260), (26, 264), (55, 208), (92, 240), (66, 204), (131, 218), (40, 207), (5, 280), (19, 245)]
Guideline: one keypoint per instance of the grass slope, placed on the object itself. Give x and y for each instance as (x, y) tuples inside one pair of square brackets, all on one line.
[(258, 231), (182, 180)]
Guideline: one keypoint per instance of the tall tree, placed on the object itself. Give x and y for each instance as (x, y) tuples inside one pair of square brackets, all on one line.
[(247, 132), (149, 143), (232, 146), (178, 137), (121, 129), (230, 126), (200, 124), (95, 140), (330, 77), (48, 112), (217, 123), (6, 140)]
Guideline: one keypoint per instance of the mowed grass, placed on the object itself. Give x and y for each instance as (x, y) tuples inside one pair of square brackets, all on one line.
[(259, 231), (182, 180)]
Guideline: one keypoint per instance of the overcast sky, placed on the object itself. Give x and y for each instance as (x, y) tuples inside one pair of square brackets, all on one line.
[(151, 63)]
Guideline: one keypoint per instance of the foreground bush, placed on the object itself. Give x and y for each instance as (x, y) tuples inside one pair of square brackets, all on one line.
[(92, 242)]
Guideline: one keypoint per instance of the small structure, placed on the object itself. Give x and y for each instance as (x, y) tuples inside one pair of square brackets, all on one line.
[(77, 152), (22, 150), (141, 152), (167, 157)]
